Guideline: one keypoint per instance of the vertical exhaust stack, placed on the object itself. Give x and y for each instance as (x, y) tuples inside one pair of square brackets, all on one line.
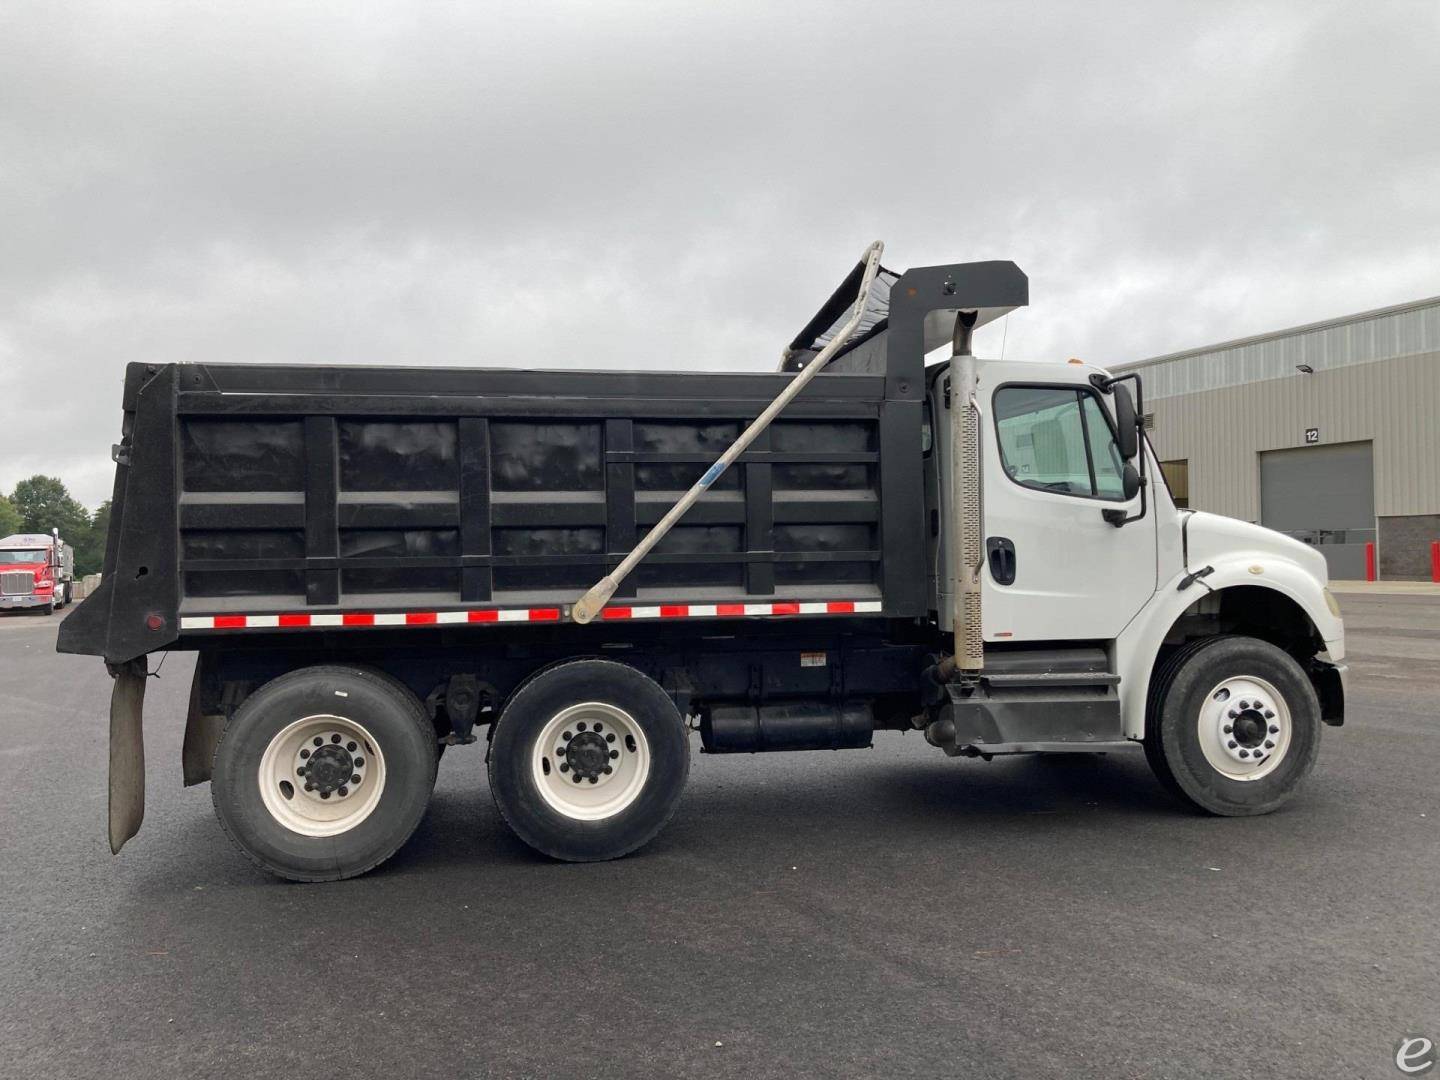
[(966, 554)]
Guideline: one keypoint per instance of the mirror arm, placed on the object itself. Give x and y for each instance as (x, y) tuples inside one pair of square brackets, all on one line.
[(1106, 384)]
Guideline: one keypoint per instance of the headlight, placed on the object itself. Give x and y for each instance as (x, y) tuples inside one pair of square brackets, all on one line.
[(1332, 603)]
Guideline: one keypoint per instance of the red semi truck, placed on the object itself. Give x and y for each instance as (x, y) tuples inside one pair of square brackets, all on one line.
[(36, 571)]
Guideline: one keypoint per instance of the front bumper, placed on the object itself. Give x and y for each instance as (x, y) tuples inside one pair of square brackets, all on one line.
[(10, 600)]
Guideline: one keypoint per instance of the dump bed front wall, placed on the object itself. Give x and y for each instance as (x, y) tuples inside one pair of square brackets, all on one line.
[(315, 489)]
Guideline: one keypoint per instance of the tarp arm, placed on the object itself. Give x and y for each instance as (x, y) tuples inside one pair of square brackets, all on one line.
[(589, 605)]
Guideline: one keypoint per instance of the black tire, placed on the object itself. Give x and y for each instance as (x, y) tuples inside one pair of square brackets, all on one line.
[(392, 716), (513, 742), (1178, 691)]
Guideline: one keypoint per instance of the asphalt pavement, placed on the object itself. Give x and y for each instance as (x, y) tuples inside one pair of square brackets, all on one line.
[(886, 912)]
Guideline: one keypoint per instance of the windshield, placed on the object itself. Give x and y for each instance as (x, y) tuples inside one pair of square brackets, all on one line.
[(37, 557)]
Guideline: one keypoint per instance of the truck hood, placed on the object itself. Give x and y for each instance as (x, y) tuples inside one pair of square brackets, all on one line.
[(1209, 536)]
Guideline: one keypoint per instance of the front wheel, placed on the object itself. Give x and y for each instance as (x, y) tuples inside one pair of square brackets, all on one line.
[(1233, 725), (587, 761), (323, 773)]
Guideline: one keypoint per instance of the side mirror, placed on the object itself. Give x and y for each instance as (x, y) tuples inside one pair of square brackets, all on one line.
[(1130, 485), (1129, 429), (1130, 481)]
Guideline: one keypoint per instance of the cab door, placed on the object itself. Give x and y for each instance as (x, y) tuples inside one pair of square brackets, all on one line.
[(1056, 568)]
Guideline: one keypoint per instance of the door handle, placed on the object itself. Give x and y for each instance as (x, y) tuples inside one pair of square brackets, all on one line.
[(1001, 553)]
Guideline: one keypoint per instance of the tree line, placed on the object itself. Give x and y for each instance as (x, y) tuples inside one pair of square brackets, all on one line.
[(42, 503)]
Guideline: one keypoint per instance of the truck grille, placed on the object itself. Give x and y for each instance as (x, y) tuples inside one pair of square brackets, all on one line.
[(17, 582)]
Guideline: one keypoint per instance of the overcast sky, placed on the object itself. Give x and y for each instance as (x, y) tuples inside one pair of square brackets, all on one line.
[(678, 185)]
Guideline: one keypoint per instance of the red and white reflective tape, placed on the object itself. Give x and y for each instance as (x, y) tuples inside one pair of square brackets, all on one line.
[(615, 612), (735, 611)]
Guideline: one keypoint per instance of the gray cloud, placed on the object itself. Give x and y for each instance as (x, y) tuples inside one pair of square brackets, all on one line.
[(640, 185)]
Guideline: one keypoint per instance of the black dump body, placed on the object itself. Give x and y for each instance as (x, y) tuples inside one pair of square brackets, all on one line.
[(291, 498)]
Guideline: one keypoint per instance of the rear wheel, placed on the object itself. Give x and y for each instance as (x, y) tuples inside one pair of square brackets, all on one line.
[(587, 761), (325, 772), (1233, 725)]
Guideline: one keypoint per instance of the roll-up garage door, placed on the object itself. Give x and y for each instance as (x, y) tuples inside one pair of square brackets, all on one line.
[(1323, 495)]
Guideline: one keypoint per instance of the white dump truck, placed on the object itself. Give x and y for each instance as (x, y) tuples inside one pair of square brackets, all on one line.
[(586, 568), (36, 571)]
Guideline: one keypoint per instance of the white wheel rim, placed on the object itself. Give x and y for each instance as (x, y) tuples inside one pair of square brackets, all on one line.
[(333, 751), (1245, 728), (591, 761)]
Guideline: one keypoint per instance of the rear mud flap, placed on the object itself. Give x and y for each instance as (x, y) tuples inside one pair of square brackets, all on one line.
[(127, 752)]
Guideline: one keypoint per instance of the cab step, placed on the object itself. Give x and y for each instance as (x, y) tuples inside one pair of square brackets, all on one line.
[(1033, 701)]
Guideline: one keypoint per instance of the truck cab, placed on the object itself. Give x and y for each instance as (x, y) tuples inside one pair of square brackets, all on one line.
[(1095, 590), (36, 572)]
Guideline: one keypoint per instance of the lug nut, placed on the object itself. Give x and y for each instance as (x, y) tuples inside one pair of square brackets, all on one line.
[(324, 794), (1227, 729), (1232, 744), (580, 726), (608, 770), (599, 726), (1269, 714), (355, 779), (567, 736), (319, 741), (344, 791), (1269, 745), (1244, 753), (614, 754), (309, 787), (577, 778), (593, 779), (609, 738), (1244, 704), (564, 767), (304, 753), (359, 762), (351, 747), (1234, 713), (300, 771), (1274, 729), (334, 738)]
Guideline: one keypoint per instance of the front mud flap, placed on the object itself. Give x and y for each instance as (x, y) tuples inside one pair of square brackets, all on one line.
[(127, 752)]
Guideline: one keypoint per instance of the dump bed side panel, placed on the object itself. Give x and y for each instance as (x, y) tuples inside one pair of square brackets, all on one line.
[(286, 491)]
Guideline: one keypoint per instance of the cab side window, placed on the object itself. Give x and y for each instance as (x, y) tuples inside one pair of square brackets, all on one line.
[(1058, 439)]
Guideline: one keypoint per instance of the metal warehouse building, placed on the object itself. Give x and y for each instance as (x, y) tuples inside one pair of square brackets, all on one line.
[(1329, 432)]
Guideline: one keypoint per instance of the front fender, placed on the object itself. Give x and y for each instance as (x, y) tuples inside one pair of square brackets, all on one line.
[(1139, 644)]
